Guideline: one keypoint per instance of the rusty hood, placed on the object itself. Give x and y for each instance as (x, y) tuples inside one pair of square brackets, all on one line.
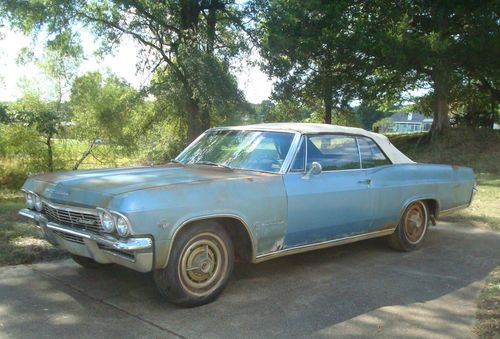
[(92, 187)]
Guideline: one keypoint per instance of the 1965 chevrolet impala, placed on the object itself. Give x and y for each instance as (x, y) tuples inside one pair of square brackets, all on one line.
[(254, 193)]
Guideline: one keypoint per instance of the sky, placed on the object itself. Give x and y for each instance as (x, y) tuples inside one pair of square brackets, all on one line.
[(251, 80)]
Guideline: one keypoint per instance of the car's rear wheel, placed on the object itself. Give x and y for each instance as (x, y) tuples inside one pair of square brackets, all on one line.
[(199, 267), (87, 262), (412, 228)]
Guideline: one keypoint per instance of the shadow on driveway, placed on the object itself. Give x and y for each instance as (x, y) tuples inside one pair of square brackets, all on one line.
[(362, 289)]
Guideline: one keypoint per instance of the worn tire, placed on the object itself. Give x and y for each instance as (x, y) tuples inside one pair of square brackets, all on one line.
[(201, 255), (87, 262), (412, 228)]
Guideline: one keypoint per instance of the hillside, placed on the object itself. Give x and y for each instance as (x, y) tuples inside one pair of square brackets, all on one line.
[(476, 148)]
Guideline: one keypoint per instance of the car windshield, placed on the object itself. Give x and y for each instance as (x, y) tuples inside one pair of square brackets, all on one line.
[(239, 149)]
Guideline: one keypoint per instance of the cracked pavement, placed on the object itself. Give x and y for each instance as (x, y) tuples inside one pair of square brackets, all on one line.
[(357, 290)]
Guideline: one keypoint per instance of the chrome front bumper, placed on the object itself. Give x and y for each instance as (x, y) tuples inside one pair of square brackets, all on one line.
[(134, 253)]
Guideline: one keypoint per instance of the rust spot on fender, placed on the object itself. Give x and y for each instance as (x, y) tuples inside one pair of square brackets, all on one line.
[(278, 245)]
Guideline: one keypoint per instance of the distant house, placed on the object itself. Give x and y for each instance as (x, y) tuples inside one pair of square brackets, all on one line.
[(406, 122)]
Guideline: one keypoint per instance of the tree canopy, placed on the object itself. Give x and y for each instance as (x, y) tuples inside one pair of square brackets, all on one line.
[(189, 44), (323, 55)]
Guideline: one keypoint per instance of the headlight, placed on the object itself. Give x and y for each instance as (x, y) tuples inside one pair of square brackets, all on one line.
[(30, 203), (38, 203), (122, 226), (107, 222)]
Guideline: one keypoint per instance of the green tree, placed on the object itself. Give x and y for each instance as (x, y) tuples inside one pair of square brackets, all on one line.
[(368, 115), (106, 109), (310, 47), (288, 111), (188, 43), (427, 42), (45, 117)]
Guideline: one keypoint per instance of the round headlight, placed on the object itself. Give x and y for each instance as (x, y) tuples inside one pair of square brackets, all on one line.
[(108, 224), (30, 203), (38, 203), (122, 226)]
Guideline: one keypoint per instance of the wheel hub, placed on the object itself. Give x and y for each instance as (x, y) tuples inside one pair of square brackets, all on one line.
[(202, 264), (415, 222)]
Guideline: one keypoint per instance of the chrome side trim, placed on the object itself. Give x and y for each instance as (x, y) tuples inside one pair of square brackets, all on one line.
[(320, 245), (213, 216), (451, 210)]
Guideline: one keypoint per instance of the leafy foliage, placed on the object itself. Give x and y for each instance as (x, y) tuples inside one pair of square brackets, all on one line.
[(107, 109), (189, 44), (310, 47)]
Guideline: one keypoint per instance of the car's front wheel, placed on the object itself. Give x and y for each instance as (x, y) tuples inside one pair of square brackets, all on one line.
[(412, 228), (199, 267)]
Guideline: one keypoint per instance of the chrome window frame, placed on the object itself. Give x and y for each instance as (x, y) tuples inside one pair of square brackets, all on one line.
[(379, 148), (356, 136)]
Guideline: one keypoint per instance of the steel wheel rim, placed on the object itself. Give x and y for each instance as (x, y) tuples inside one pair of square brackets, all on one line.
[(415, 223), (203, 264)]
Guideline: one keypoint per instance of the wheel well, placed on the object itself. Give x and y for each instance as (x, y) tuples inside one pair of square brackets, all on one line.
[(433, 206), (237, 231)]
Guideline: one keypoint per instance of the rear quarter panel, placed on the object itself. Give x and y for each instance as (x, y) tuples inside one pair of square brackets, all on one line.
[(395, 186)]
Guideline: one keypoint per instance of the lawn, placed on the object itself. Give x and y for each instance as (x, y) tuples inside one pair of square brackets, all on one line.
[(488, 314), (20, 242)]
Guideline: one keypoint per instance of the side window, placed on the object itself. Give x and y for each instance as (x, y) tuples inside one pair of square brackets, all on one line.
[(371, 155), (298, 163), (333, 152)]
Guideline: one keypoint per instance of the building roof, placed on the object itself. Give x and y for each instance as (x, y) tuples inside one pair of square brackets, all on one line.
[(309, 128), (407, 117)]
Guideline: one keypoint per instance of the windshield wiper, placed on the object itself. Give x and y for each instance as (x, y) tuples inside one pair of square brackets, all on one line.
[(176, 161), (211, 163)]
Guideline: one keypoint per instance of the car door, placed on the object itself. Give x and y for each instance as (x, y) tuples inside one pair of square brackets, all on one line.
[(334, 203), (386, 189)]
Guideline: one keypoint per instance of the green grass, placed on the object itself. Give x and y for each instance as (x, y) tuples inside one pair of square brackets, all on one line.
[(20, 241), (488, 312), (484, 211)]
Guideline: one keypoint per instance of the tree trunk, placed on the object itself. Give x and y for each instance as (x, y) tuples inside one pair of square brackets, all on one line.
[(194, 128), (211, 21), (84, 155), (205, 118), (441, 121), (50, 158), (328, 103)]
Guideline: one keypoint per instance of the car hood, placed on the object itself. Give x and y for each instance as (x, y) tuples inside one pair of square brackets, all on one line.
[(60, 186)]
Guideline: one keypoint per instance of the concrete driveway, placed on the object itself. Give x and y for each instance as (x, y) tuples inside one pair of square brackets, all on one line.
[(364, 289)]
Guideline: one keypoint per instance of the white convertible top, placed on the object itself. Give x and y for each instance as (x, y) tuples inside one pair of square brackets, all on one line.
[(392, 152)]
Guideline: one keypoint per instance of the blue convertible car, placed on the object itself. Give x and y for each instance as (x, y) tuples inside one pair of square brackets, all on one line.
[(253, 193)]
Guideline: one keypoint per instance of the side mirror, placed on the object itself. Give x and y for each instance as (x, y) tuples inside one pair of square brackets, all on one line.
[(315, 169)]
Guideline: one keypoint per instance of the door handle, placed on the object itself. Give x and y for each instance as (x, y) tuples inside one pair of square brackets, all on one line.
[(365, 181)]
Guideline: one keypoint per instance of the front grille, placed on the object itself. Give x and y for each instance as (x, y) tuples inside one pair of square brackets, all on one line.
[(66, 216), (70, 237)]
